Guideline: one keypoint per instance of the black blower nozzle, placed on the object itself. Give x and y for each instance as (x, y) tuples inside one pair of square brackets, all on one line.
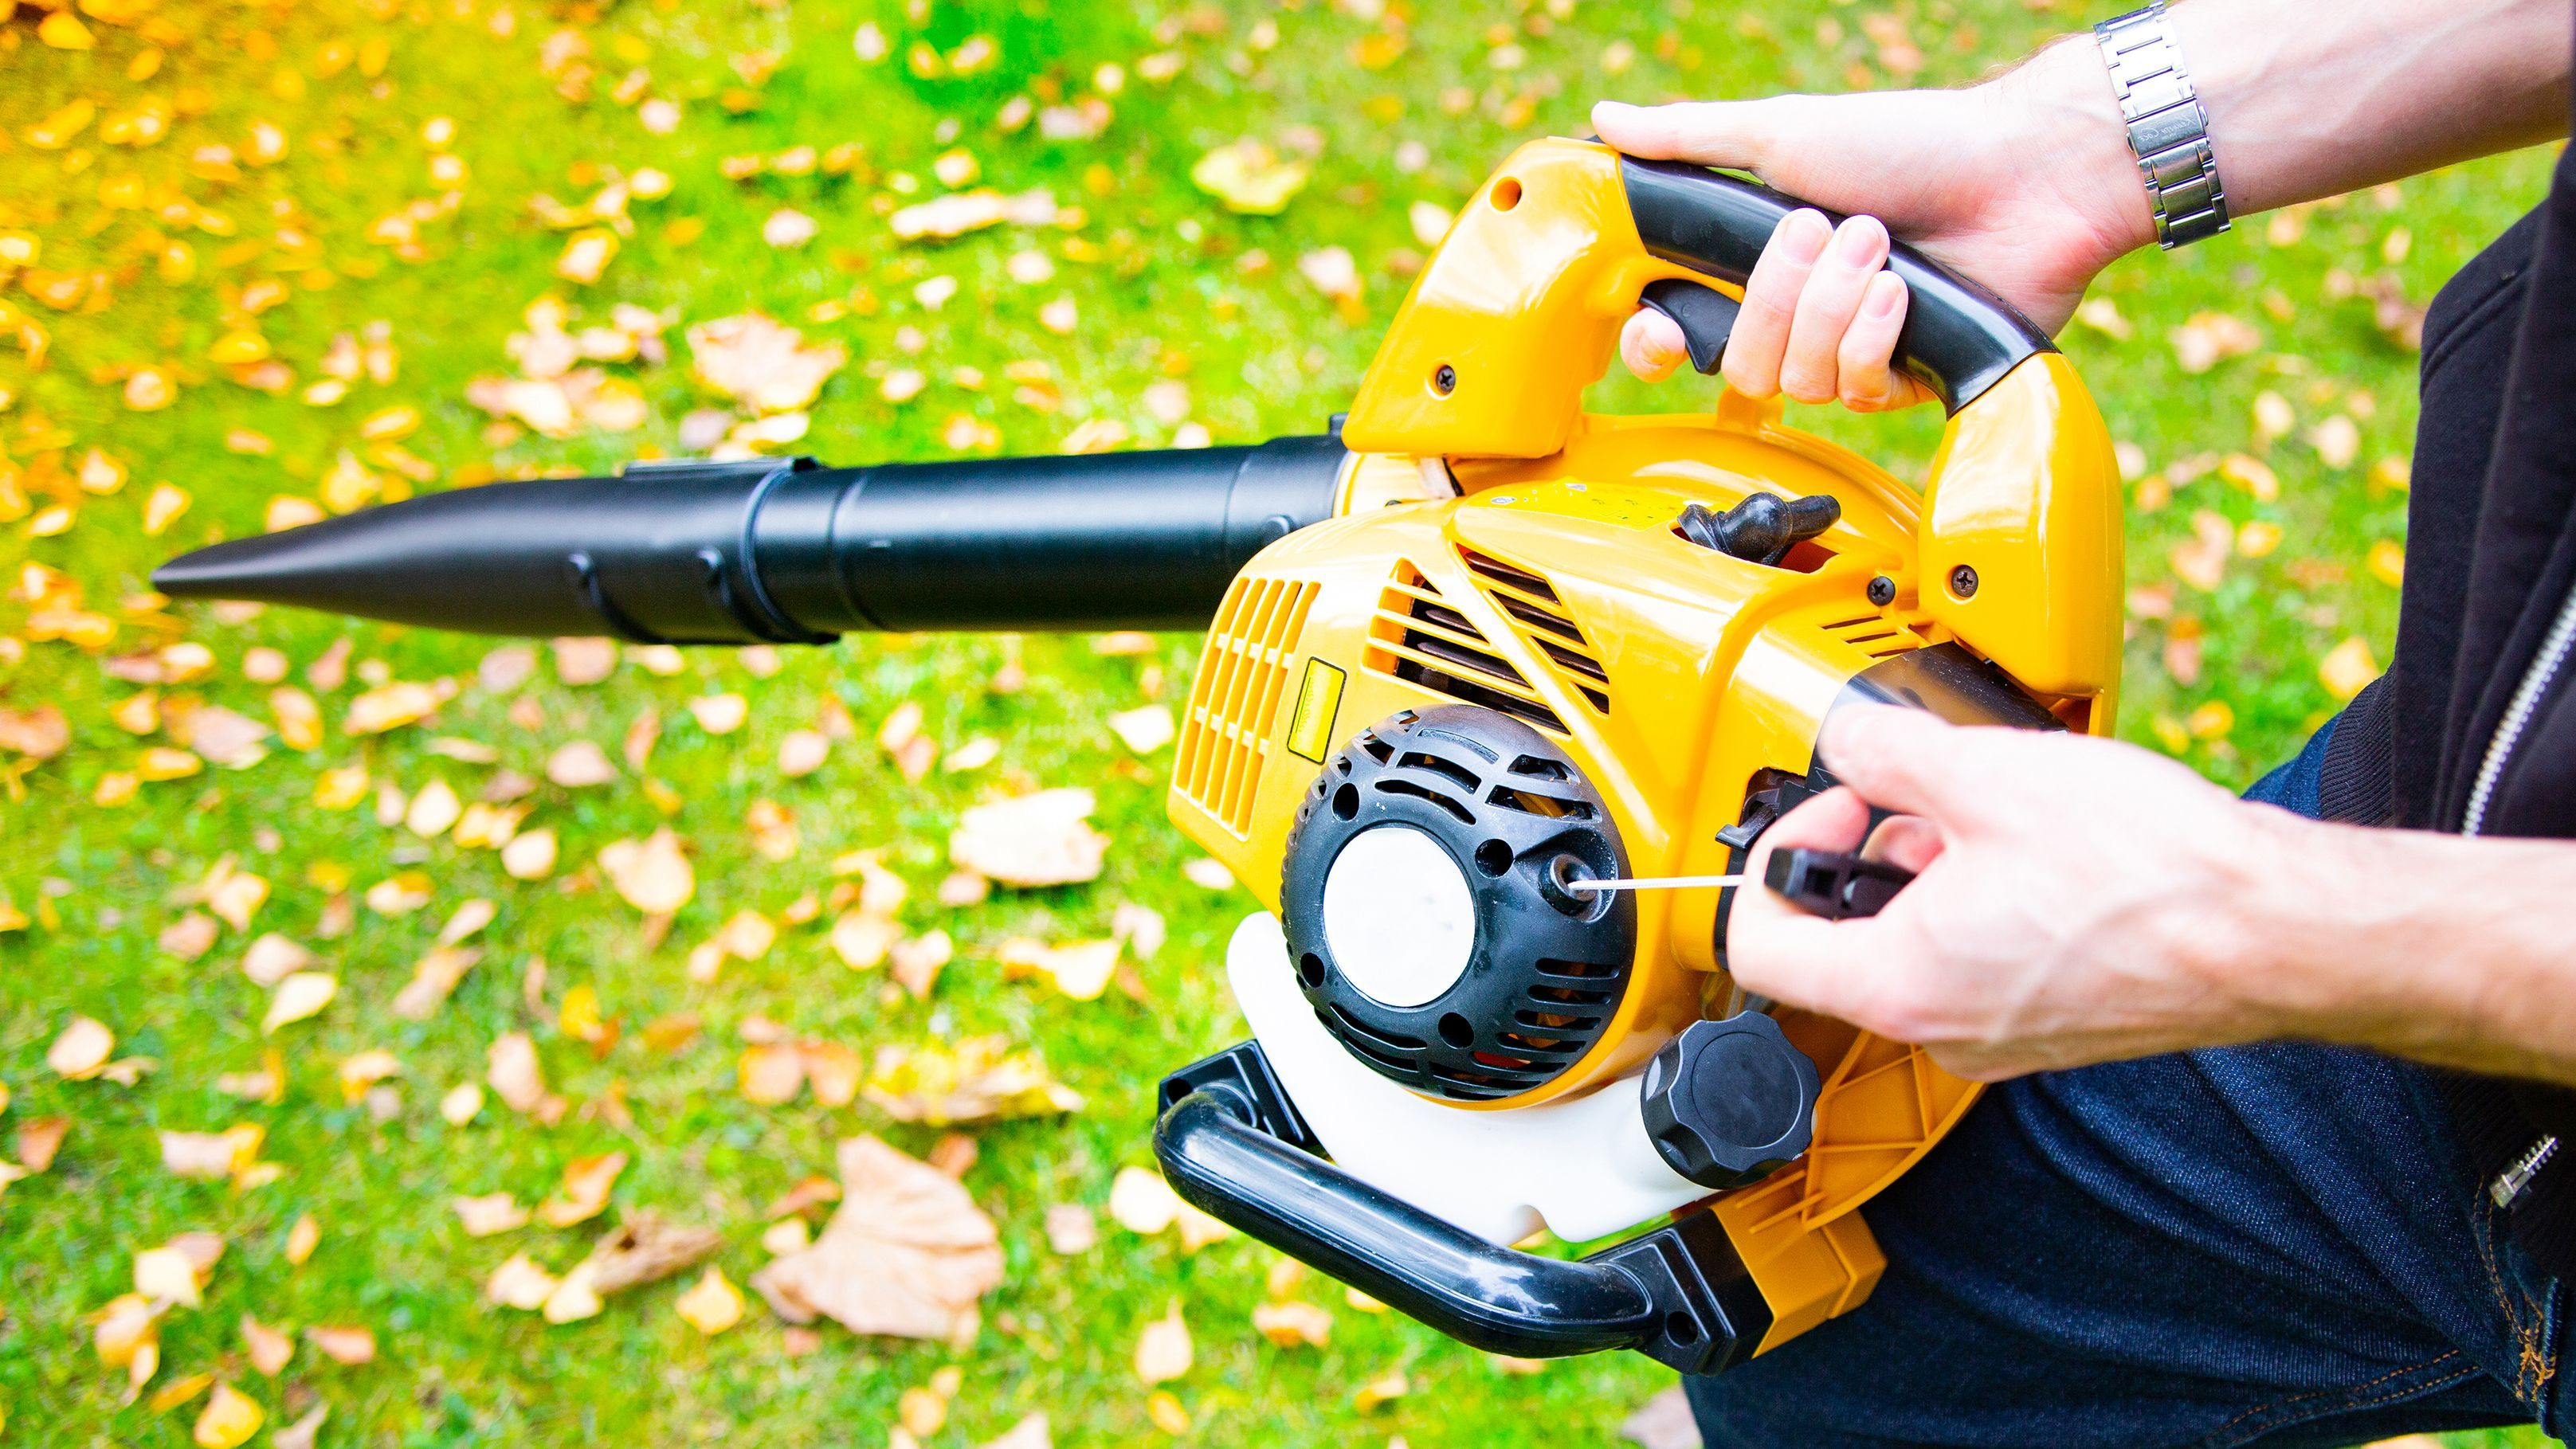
[(766, 550)]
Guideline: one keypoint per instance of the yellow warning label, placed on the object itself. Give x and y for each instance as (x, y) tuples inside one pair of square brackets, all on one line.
[(1319, 702)]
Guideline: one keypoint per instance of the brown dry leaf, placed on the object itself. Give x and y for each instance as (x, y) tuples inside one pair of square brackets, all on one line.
[(343, 1343), (269, 1349), (584, 661), (2209, 338), (761, 364), (587, 1182), (834, 1071), (513, 1072), (190, 936), (918, 961), (39, 734), (231, 1417), (1071, 1229), (653, 875), (1292, 1323), (272, 958), (2202, 563), (980, 1080), (301, 1433), (579, 765), (1163, 1350), (1663, 1422), (711, 1305), (433, 980), (647, 1249), (81, 1051), (907, 1253), (1034, 840), (771, 1073), (519, 1283), (39, 1140), (497, 1212), (1030, 1433)]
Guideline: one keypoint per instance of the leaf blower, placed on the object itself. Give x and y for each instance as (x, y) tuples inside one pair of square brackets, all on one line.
[(1472, 651)]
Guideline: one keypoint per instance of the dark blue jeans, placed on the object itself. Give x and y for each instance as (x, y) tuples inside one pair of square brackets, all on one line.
[(2273, 1245)]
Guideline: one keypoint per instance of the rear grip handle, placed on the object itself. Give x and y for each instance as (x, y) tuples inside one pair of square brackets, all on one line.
[(1958, 340)]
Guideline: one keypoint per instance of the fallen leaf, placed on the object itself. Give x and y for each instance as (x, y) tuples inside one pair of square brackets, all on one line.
[(82, 1049), (587, 1182), (1663, 1422), (343, 1343), (167, 1275), (272, 958), (301, 995), (513, 1072), (771, 1073), (761, 364), (711, 1305), (2208, 338), (1385, 1389), (269, 1349), (1141, 1202), (433, 979), (530, 855), (1071, 1229), (1208, 874), (2348, 667), (491, 1213), (461, 1104), (653, 875), (39, 734), (39, 1140), (1078, 969), (302, 1239), (519, 1283), (301, 1433), (907, 1253), (1292, 1323), (1250, 178), (1163, 1350), (917, 961), (1144, 730), (980, 1080), (1029, 1433), (580, 764), (231, 1417), (1041, 839)]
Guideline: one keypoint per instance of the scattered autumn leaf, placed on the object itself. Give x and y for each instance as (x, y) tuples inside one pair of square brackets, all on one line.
[(711, 1305), (652, 875), (907, 1252)]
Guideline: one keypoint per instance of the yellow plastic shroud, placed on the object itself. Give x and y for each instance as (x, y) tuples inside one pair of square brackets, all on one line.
[(1671, 673)]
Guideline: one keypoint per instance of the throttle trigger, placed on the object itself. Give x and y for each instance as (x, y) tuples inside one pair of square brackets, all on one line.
[(1705, 315)]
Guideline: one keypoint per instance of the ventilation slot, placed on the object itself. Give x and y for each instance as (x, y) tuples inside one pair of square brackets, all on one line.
[(1418, 638), (1539, 616), (1234, 702), (1876, 635)]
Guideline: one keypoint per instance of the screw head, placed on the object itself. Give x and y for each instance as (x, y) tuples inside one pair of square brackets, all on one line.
[(1882, 591), (1963, 582), (1444, 380)]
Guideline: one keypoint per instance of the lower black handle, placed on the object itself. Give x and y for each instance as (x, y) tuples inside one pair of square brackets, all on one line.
[(1680, 1294)]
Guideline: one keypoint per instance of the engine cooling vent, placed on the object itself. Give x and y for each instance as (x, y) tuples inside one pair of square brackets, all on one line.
[(1234, 702), (1539, 616), (1418, 638), (1877, 636)]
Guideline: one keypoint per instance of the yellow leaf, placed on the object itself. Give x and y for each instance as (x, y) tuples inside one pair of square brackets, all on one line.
[(1292, 1323), (302, 1239), (653, 875), (711, 1305), (2388, 562), (179, 1391), (575, 1298), (163, 507), (2348, 667), (1385, 1388), (299, 996), (519, 1283), (63, 31), (82, 1050), (229, 1420), (165, 1274), (1141, 1202), (1250, 178), (1166, 1412)]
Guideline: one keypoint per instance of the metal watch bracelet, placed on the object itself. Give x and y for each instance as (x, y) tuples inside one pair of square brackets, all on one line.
[(2168, 130)]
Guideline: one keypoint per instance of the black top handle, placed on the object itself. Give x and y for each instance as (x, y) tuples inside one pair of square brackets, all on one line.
[(1958, 340)]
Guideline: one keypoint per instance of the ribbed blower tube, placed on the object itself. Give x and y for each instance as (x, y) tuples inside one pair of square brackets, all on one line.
[(778, 551)]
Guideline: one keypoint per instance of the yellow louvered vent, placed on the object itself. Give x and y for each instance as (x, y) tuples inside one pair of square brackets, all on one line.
[(1876, 635), (1420, 639), (1235, 700), (1530, 602)]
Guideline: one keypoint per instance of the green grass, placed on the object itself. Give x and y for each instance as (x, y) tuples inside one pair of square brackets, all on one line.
[(1171, 293)]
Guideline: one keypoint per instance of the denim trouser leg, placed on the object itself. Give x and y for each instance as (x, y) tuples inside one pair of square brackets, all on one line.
[(2274, 1244)]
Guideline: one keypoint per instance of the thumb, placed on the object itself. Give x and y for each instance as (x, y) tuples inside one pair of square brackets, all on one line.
[(1711, 133), (1906, 760)]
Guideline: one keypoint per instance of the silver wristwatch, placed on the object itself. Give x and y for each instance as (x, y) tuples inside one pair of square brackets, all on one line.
[(2168, 130)]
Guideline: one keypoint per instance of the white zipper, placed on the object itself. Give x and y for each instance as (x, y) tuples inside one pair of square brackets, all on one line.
[(2510, 1184)]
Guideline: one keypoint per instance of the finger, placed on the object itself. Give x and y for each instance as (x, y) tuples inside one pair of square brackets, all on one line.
[(1761, 334), (1920, 766), (1907, 842), (1868, 383), (1783, 952), (1827, 306), (1652, 346), (1712, 133)]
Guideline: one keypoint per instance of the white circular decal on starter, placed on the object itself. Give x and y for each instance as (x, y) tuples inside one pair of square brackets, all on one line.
[(1398, 916)]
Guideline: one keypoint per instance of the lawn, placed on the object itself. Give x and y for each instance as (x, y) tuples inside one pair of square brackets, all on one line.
[(269, 258)]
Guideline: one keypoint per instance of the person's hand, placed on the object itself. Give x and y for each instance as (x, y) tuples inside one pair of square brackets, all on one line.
[(2024, 183), (2078, 900)]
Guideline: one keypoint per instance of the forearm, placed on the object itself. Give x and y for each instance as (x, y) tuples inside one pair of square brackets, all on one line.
[(2307, 100), (2448, 950)]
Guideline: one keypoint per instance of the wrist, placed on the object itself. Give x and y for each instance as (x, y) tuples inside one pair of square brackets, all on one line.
[(2062, 126)]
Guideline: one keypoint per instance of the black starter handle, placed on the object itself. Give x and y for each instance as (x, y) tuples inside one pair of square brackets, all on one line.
[(1958, 338), (1834, 885), (1231, 1145)]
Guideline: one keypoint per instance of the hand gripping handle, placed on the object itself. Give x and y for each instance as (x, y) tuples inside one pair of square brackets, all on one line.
[(1959, 339)]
